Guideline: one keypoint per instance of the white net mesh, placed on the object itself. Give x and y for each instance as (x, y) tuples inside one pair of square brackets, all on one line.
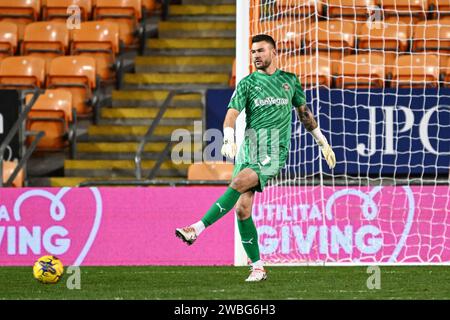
[(375, 76)]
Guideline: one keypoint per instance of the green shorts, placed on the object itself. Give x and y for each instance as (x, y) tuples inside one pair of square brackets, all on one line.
[(266, 169)]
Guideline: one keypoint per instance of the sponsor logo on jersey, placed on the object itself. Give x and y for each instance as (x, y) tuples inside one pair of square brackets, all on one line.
[(271, 101)]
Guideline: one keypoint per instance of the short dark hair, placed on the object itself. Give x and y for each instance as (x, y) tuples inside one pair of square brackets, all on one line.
[(264, 37)]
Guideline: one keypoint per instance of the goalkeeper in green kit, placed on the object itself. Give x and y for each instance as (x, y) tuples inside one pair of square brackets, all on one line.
[(267, 96)]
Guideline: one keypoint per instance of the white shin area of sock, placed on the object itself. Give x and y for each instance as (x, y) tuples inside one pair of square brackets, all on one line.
[(258, 264), (199, 227)]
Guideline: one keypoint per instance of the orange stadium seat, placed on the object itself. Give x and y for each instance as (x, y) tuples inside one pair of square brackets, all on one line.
[(8, 169), (46, 39), (126, 13), (98, 39), (52, 113), (358, 11), (385, 36), (361, 71), (311, 70), (389, 60), (56, 10), (20, 12), (22, 72), (76, 74), (300, 7), (432, 35), (287, 33), (149, 6), (350, 9), (333, 38), (210, 171), (8, 39), (416, 70), (407, 11)]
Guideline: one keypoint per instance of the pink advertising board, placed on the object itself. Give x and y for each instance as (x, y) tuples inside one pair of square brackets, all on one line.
[(135, 226), (111, 226), (382, 224)]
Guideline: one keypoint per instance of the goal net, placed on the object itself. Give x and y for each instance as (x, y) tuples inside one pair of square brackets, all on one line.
[(375, 77)]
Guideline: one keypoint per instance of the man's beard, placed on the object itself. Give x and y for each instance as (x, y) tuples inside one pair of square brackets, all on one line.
[(264, 65)]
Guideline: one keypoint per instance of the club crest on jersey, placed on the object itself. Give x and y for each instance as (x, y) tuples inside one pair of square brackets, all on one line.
[(286, 87)]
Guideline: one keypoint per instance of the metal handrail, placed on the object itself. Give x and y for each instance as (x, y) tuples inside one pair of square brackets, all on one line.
[(151, 129), (160, 160), (17, 125), (165, 10)]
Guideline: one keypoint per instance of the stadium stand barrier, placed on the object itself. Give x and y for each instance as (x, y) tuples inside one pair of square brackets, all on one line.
[(26, 152)]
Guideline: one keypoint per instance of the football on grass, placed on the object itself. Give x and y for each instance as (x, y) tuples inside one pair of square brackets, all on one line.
[(48, 269)]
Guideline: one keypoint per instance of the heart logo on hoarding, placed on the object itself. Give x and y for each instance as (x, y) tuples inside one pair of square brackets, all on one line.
[(370, 211), (58, 212)]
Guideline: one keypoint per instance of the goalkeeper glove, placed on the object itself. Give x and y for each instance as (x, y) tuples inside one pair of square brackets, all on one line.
[(228, 147), (327, 152)]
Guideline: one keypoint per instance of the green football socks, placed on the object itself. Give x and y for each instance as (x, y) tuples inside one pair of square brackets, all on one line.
[(249, 238), (247, 228), (224, 204)]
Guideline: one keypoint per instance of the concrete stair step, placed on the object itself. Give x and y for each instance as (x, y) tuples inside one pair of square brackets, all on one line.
[(191, 43), (199, 29), (130, 147), (120, 168), (202, 10), (174, 52), (146, 122), (203, 18), (195, 25), (208, 2), (174, 86), (174, 81), (183, 64), (111, 133), (127, 150), (151, 113), (153, 98)]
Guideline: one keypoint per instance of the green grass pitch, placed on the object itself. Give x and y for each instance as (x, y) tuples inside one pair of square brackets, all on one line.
[(402, 282)]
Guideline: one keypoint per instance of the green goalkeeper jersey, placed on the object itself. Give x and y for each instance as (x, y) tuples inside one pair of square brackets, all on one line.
[(268, 100)]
